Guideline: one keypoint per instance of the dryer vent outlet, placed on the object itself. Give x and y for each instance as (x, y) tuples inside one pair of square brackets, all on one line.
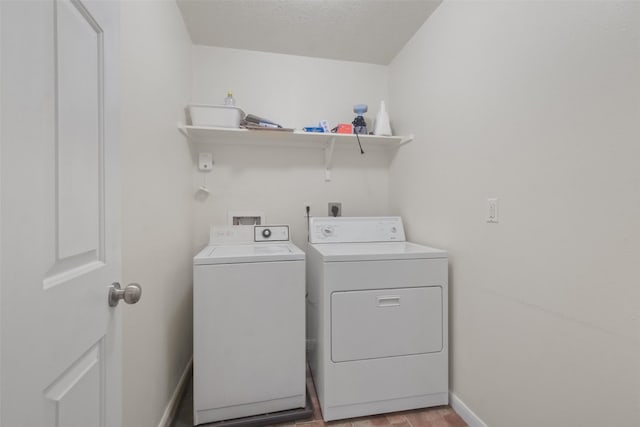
[(335, 209)]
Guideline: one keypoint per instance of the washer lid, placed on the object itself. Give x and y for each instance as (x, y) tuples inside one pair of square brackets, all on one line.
[(258, 252), (376, 251)]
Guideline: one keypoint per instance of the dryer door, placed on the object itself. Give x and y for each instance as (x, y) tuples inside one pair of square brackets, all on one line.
[(380, 323)]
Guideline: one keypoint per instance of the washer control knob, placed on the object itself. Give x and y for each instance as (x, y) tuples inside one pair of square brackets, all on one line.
[(327, 230), (394, 230), (266, 233)]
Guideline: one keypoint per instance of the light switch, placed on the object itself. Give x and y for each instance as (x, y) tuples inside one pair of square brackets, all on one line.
[(492, 210)]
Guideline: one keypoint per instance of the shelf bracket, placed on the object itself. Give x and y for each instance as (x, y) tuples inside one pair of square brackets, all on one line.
[(328, 158), (183, 130), (406, 140)]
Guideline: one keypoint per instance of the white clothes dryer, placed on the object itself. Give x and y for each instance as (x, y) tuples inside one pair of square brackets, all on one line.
[(248, 324), (376, 318)]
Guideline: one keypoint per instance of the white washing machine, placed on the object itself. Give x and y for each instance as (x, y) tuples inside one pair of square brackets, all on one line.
[(248, 324), (376, 318)]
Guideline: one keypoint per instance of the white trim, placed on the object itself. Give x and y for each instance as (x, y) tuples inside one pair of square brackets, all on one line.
[(174, 402), (463, 410)]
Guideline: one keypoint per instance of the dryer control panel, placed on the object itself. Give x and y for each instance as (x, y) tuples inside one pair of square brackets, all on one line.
[(356, 229)]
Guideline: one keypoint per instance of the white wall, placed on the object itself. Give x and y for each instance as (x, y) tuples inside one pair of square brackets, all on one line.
[(157, 206), (537, 103), (295, 92)]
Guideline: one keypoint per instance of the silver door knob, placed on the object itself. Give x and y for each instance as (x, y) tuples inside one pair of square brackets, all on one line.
[(130, 294)]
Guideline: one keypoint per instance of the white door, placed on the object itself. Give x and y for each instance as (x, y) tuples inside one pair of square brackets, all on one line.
[(59, 214)]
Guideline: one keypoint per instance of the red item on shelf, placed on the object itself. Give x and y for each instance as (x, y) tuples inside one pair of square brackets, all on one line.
[(345, 128)]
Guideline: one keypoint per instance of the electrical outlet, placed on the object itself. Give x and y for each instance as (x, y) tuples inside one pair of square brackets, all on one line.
[(492, 210), (335, 209)]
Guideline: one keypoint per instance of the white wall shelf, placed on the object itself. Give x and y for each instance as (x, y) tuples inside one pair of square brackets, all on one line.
[(328, 142)]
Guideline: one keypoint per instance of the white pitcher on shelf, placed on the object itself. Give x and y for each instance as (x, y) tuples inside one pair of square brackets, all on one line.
[(382, 126)]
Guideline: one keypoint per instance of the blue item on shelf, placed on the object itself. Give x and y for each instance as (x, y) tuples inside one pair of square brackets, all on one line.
[(313, 129)]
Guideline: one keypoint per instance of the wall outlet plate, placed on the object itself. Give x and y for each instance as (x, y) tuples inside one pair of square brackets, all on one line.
[(332, 208)]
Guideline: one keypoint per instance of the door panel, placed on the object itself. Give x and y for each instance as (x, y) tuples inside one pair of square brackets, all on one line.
[(79, 45), (79, 139), (75, 398), (59, 214)]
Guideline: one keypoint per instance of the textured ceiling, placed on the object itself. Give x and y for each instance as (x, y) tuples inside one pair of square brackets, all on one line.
[(371, 31)]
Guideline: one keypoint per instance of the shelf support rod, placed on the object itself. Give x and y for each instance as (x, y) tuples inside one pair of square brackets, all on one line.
[(328, 158), (406, 140)]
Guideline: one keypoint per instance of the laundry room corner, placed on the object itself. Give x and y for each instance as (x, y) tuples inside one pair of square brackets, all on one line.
[(157, 207)]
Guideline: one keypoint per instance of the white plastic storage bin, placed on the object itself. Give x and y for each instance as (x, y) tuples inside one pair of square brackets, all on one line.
[(224, 116)]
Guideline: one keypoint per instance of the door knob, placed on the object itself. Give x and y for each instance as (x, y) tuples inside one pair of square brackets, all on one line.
[(130, 294)]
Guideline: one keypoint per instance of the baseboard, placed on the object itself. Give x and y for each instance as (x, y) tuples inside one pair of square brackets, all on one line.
[(463, 410), (176, 397)]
